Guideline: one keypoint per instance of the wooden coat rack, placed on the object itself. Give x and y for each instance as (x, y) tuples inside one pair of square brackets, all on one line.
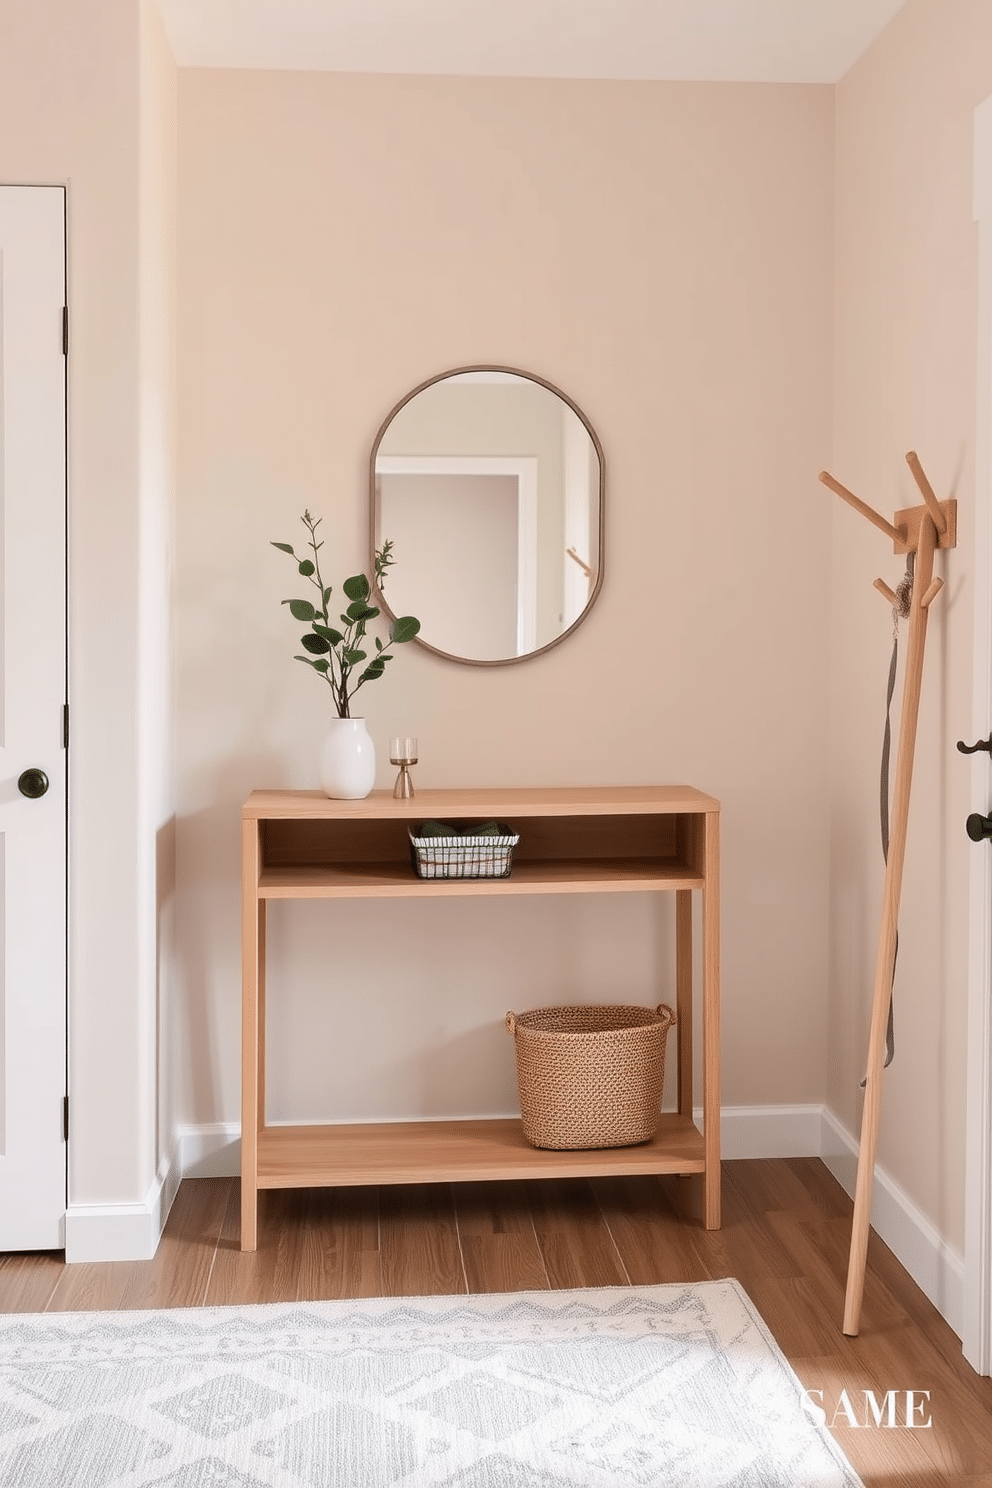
[(920, 530)]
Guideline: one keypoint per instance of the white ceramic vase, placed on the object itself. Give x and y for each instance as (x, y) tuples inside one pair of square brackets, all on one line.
[(347, 760)]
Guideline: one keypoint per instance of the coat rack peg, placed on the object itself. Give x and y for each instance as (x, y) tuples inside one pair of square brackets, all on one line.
[(927, 492), (932, 593), (897, 534), (887, 593)]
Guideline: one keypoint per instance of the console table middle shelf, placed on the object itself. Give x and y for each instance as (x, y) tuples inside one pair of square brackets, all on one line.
[(623, 839)]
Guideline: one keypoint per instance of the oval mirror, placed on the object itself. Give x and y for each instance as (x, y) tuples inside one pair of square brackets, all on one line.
[(488, 482)]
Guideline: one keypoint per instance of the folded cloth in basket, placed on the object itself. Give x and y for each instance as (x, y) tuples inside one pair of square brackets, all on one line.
[(460, 829)]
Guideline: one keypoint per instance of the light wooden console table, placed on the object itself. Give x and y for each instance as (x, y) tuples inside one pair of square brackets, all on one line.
[(625, 839)]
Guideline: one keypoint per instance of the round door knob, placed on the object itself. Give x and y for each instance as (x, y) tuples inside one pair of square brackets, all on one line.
[(978, 827), (33, 783)]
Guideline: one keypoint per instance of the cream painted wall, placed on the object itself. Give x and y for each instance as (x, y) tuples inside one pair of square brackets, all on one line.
[(69, 112), (906, 278), (666, 253), (662, 252)]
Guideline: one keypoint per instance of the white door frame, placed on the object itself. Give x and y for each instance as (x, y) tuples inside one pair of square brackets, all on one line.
[(977, 1331)]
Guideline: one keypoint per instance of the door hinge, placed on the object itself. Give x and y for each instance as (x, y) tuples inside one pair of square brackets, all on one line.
[(65, 725), (65, 1118), (65, 330)]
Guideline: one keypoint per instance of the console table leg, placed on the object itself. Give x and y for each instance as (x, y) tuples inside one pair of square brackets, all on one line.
[(252, 1030), (711, 1022), (683, 997), (249, 1214)]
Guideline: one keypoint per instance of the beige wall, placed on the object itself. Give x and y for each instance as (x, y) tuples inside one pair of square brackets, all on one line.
[(669, 255), (906, 316), (663, 253)]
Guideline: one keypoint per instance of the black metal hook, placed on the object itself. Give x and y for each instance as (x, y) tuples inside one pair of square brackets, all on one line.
[(985, 744)]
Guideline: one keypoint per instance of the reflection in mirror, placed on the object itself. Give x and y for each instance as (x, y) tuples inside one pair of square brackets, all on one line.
[(489, 484)]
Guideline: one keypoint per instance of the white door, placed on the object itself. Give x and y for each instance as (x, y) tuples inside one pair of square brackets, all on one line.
[(32, 699)]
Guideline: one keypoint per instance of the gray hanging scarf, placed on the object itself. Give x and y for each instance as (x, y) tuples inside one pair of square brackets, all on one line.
[(904, 595)]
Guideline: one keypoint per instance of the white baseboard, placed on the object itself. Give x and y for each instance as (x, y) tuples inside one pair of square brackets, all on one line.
[(768, 1131), (212, 1150), (123, 1232), (132, 1231), (937, 1269), (814, 1131)]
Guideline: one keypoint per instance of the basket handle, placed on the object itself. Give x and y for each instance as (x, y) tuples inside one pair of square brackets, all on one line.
[(664, 1011), (511, 1022)]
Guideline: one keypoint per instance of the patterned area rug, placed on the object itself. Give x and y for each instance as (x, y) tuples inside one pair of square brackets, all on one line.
[(634, 1386)]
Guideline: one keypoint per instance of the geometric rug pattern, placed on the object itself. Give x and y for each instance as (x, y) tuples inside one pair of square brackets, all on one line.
[(632, 1386)]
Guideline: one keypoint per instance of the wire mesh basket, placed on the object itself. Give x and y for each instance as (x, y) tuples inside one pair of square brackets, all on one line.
[(590, 1076), (483, 851)]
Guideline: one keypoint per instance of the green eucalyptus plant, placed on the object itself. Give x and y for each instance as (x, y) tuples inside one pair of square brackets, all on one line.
[(336, 654)]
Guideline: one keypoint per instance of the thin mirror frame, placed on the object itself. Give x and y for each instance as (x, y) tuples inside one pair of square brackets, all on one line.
[(601, 546)]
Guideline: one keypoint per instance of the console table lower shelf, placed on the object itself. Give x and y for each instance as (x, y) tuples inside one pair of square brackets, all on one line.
[(456, 1152)]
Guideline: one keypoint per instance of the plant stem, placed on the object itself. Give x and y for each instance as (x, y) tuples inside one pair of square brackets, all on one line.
[(338, 687)]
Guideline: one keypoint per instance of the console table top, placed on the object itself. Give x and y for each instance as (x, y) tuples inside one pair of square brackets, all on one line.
[(576, 800)]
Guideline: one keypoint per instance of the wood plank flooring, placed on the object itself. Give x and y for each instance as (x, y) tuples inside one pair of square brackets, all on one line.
[(785, 1237)]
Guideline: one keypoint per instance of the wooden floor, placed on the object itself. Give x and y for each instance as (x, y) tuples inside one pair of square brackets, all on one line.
[(785, 1238)]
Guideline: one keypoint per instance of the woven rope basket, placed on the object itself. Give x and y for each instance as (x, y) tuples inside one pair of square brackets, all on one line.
[(590, 1076)]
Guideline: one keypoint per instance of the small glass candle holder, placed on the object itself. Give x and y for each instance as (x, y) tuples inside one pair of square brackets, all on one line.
[(403, 752)]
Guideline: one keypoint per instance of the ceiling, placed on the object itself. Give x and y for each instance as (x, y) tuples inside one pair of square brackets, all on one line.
[(799, 41)]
